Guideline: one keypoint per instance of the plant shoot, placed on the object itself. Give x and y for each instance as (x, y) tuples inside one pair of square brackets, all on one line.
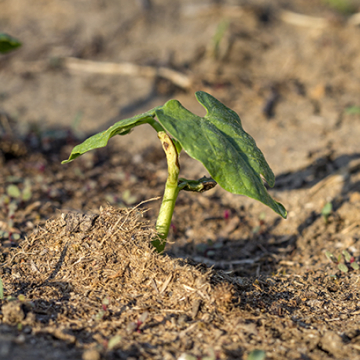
[(217, 140)]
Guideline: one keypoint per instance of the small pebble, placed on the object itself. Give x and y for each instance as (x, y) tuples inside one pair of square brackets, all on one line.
[(20, 339), (91, 354)]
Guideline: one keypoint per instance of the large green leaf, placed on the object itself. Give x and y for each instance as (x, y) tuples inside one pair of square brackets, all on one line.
[(219, 142), (8, 43), (101, 139)]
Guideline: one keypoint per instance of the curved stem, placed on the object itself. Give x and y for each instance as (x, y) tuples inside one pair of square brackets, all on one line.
[(156, 125), (170, 194)]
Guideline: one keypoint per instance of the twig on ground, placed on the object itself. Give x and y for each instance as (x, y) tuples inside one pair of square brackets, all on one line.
[(303, 20), (293, 18), (126, 68)]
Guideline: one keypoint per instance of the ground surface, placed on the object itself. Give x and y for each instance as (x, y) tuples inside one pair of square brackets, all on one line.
[(80, 278)]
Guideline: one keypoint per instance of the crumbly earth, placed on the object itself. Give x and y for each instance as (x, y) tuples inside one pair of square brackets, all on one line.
[(80, 278)]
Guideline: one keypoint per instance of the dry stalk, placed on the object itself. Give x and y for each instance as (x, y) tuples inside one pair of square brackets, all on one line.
[(107, 68), (293, 18)]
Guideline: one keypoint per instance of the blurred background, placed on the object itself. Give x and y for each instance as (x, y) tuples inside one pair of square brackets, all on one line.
[(291, 69)]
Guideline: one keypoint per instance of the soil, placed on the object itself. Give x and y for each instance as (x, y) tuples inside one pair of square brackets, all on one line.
[(80, 277)]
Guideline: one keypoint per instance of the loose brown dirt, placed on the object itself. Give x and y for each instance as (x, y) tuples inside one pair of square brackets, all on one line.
[(80, 278)]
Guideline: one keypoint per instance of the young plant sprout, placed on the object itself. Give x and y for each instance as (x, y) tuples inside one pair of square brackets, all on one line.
[(8, 43), (217, 140)]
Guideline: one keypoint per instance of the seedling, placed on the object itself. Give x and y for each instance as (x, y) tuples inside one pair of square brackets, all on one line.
[(326, 211), (1, 290), (353, 110), (136, 326), (217, 140), (345, 266), (257, 355), (8, 43)]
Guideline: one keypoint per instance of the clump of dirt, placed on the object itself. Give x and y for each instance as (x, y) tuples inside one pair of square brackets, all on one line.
[(101, 273), (94, 281)]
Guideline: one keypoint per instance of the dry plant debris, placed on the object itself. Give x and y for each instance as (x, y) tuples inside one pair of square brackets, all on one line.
[(94, 282)]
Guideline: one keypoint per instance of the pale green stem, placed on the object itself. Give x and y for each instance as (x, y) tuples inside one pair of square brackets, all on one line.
[(170, 194)]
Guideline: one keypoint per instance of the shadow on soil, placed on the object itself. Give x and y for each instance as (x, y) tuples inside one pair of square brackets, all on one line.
[(317, 171)]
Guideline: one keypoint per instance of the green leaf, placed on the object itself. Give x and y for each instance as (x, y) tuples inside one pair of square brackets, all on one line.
[(355, 266), (26, 194), (257, 355), (331, 257), (114, 341), (353, 110), (347, 256), (101, 139), (15, 236), (1, 290), (326, 211), (343, 268), (219, 142), (345, 7), (8, 43), (13, 191)]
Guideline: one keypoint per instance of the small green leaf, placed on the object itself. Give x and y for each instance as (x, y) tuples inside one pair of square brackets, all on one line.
[(129, 198), (347, 256), (101, 139), (13, 206), (353, 110), (345, 7), (13, 191), (200, 185), (8, 43), (26, 194), (1, 289), (4, 234), (355, 266), (106, 301), (257, 355), (114, 341), (331, 257), (343, 268), (4, 200), (326, 210), (15, 236), (219, 36), (219, 142)]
